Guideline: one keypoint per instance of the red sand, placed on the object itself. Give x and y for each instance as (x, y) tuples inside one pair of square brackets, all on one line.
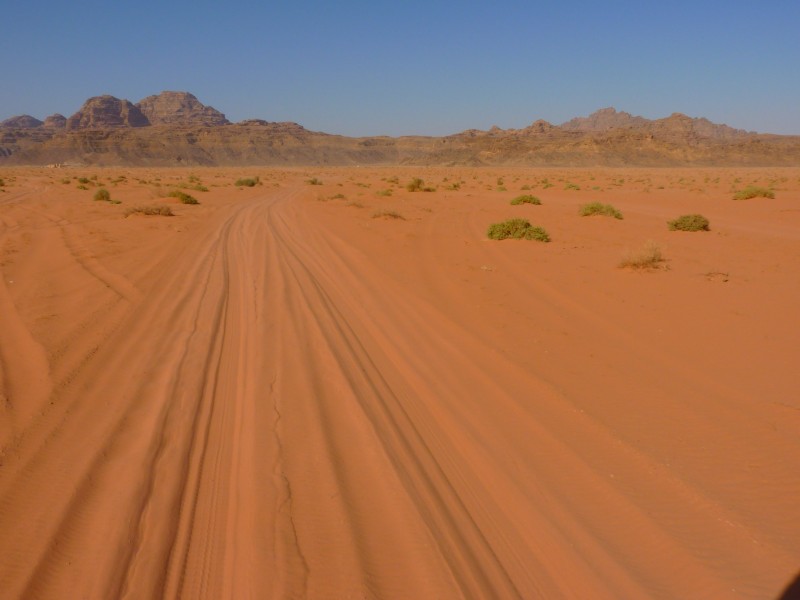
[(275, 394)]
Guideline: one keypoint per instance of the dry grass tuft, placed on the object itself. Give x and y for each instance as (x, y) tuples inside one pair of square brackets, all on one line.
[(648, 256), (753, 191), (158, 210), (388, 214), (689, 223)]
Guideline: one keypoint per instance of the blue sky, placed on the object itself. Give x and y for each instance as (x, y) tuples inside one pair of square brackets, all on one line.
[(411, 67)]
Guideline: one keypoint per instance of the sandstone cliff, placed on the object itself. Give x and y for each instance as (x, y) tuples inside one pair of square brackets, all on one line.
[(105, 112), (56, 121), (179, 108)]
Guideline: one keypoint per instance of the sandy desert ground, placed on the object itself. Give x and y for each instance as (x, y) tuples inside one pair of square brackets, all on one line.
[(338, 391)]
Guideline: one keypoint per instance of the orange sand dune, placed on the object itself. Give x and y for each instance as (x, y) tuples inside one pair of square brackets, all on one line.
[(346, 390)]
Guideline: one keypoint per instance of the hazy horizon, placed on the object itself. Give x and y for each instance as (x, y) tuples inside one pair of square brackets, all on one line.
[(359, 68)]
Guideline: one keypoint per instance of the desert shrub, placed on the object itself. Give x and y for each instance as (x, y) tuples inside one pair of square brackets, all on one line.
[(387, 214), (393, 179), (83, 180), (247, 182), (183, 197), (525, 199), (313, 181), (386, 192), (193, 185), (337, 197), (415, 184), (689, 223), (572, 186), (102, 195), (753, 191), (454, 186), (647, 257), (597, 208), (517, 229), (82, 187), (2, 183), (161, 210)]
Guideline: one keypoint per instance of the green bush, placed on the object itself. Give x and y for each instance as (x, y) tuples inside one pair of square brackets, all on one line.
[(753, 191), (689, 223), (597, 208), (102, 195), (517, 229), (183, 197), (525, 199), (248, 182)]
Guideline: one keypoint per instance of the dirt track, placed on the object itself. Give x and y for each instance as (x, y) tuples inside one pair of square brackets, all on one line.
[(283, 398)]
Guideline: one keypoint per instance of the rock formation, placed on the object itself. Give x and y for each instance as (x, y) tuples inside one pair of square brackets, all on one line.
[(21, 122), (107, 112), (56, 121), (110, 131), (179, 108), (603, 120)]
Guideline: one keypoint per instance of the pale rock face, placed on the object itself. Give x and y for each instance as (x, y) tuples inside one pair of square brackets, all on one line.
[(179, 108), (103, 112)]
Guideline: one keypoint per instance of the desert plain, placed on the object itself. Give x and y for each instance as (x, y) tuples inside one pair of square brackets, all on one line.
[(328, 386)]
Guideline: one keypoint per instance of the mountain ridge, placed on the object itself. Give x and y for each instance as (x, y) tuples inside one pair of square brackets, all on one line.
[(175, 128)]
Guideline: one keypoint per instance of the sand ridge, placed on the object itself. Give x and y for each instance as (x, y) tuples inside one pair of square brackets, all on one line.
[(283, 392)]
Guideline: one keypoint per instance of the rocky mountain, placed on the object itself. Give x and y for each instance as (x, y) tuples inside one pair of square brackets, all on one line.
[(174, 128), (56, 121), (603, 120), (21, 122), (179, 108), (107, 112), (677, 125)]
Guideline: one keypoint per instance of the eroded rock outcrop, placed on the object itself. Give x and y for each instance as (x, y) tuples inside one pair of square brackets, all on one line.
[(179, 108), (56, 121), (107, 112), (604, 120), (21, 122)]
